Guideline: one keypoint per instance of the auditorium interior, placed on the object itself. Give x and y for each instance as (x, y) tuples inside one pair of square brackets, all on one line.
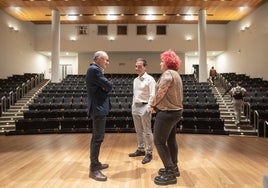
[(39, 99)]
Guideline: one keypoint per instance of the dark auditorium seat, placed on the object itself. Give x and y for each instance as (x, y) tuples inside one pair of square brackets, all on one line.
[(67, 124), (83, 124), (188, 125), (66, 102)]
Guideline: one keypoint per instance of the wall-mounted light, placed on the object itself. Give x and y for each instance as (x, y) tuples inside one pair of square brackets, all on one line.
[(150, 38), (188, 38), (73, 39), (245, 28), (12, 28), (15, 29), (111, 38)]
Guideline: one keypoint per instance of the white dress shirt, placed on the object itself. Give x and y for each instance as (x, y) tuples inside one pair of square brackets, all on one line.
[(143, 89)]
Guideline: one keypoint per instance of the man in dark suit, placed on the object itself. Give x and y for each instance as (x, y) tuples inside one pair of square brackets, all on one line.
[(98, 87)]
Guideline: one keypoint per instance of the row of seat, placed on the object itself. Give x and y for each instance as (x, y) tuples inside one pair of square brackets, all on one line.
[(69, 105), (189, 105), (200, 99), (54, 113), (66, 94), (198, 93), (203, 125), (122, 77), (59, 106), (251, 99), (201, 113), (125, 111), (120, 124), (60, 100)]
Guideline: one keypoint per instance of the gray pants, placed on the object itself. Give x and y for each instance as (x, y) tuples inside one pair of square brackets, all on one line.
[(238, 104), (143, 127)]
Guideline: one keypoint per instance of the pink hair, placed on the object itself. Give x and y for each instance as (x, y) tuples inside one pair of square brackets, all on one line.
[(171, 60)]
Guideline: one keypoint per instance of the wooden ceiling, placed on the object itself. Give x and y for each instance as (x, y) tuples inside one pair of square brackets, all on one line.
[(129, 11)]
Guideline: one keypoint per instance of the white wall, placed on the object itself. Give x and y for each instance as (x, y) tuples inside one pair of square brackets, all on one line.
[(124, 62), (247, 50), (17, 53), (124, 50), (175, 39), (194, 60)]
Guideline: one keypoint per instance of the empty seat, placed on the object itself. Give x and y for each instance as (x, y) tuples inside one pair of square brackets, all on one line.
[(203, 125), (83, 124), (188, 124), (67, 124)]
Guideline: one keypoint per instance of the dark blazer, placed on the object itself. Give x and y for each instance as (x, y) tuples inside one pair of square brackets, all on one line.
[(98, 87)]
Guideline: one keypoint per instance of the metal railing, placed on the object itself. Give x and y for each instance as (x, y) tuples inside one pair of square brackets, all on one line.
[(265, 128)]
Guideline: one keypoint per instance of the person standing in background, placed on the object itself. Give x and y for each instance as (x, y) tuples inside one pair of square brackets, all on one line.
[(167, 103), (98, 87), (143, 92), (213, 74)]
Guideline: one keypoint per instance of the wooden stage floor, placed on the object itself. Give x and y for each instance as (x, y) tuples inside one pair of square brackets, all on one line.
[(62, 160)]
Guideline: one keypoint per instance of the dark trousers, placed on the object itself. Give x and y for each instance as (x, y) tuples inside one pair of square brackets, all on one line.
[(98, 125), (165, 136)]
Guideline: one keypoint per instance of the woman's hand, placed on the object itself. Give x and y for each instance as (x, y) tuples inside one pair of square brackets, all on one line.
[(150, 110)]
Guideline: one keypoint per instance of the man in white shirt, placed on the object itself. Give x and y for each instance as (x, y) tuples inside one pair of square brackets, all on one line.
[(143, 92)]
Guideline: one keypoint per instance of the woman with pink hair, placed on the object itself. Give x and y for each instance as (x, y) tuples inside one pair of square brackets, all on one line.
[(167, 103)]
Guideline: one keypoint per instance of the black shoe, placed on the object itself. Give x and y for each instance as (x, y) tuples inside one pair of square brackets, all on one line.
[(103, 166), (165, 179), (163, 171), (97, 175), (137, 153), (147, 158)]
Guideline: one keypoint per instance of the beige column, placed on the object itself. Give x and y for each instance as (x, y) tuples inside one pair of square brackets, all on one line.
[(202, 29), (55, 52)]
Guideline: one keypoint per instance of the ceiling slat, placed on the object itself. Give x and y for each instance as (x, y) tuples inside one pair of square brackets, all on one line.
[(164, 11)]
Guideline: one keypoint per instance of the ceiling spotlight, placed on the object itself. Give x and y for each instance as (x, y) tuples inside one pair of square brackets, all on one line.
[(111, 17), (150, 17)]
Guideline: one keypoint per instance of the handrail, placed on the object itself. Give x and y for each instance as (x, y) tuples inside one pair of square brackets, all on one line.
[(17, 94), (28, 86), (22, 89), (248, 110), (11, 98), (256, 121), (3, 106), (265, 126)]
